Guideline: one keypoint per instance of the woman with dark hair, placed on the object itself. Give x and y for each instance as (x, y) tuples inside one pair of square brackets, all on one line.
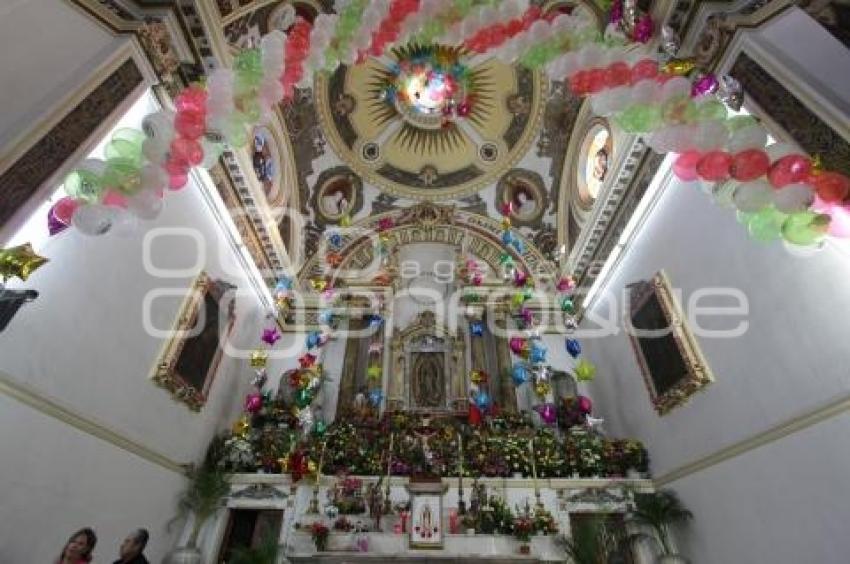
[(79, 547)]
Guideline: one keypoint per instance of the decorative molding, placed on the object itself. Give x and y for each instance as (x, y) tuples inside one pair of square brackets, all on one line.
[(52, 408), (837, 407)]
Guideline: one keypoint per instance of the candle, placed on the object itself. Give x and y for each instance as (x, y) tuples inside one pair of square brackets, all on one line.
[(533, 464), (321, 461), (390, 464)]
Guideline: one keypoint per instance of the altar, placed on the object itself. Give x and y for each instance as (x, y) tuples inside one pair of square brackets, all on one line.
[(564, 499)]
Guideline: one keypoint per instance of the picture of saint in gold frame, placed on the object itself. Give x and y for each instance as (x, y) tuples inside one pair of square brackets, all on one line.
[(190, 359), (669, 357)]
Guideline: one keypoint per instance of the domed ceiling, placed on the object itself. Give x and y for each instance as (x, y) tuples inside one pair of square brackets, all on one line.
[(432, 122), (423, 123)]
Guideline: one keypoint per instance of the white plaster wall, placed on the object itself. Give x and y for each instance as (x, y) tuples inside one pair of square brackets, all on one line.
[(83, 342), (48, 48), (55, 479), (783, 503), (787, 361)]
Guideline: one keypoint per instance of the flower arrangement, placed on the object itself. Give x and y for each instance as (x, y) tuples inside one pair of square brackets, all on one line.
[(498, 450), (342, 524), (347, 495), (523, 528), (544, 522), (319, 532)]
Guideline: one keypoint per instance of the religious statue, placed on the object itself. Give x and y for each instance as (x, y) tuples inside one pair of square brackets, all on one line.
[(375, 502)]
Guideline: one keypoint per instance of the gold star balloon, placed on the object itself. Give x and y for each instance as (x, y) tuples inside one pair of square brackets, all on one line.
[(259, 359), (679, 67), (20, 261)]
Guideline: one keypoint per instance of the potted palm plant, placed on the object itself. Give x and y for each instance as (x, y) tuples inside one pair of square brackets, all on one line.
[(658, 511), (267, 552), (586, 544), (201, 498)]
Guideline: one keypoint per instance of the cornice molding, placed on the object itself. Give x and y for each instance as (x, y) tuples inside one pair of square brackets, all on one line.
[(801, 422), (53, 408)]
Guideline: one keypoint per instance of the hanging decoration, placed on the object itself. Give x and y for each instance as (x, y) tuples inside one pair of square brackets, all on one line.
[(19, 262)]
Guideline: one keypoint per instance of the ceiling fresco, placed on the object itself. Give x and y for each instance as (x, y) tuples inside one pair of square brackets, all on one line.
[(423, 123)]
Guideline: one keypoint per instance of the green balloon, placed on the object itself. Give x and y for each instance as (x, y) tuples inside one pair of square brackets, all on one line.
[(123, 175), (766, 224), (319, 428), (123, 149), (805, 228), (711, 109), (84, 185), (735, 123)]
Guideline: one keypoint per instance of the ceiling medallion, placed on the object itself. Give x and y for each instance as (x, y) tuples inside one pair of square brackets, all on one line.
[(430, 122)]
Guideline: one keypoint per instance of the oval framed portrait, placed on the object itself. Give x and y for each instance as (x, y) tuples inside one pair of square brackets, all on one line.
[(597, 150), (338, 193), (525, 191), (265, 159)]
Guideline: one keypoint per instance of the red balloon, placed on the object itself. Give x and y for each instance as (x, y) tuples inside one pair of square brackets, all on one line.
[(714, 166), (579, 83), (831, 186), (190, 124), (685, 165), (187, 150), (749, 165), (644, 69), (789, 170), (513, 27), (595, 80), (176, 167), (617, 74)]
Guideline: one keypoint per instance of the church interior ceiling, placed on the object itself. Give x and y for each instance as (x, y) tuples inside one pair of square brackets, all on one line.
[(362, 141)]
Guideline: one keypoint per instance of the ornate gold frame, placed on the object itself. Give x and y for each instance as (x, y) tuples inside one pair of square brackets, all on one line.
[(698, 373), (165, 373)]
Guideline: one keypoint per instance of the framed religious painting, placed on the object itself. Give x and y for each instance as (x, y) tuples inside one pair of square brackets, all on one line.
[(667, 352), (190, 358)]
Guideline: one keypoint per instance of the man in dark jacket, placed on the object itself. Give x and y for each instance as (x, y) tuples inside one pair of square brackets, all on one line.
[(132, 547)]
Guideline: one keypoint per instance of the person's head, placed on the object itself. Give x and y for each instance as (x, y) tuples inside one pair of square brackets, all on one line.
[(80, 545), (134, 544)]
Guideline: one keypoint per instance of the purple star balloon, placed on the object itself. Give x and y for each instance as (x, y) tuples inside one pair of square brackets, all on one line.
[(271, 335)]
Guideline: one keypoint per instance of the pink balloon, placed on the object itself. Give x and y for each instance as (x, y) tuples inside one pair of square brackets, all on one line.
[(839, 224), (192, 99), (714, 166), (685, 165), (644, 69), (830, 186), (547, 413), (789, 169), (584, 404), (114, 199), (63, 210), (178, 181), (518, 345), (749, 165), (190, 125), (187, 150), (253, 403), (617, 74)]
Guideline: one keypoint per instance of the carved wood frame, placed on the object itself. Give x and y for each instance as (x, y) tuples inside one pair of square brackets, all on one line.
[(455, 360), (165, 373), (698, 372)]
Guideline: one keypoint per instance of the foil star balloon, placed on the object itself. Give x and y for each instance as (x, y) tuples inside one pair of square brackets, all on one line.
[(241, 426), (307, 360), (478, 376), (260, 379), (259, 359), (20, 262), (319, 284), (679, 67), (584, 371), (669, 41), (730, 92), (271, 335), (374, 372), (542, 388)]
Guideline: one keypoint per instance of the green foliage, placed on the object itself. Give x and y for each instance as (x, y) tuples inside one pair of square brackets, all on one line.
[(659, 510), (202, 496), (586, 545), (266, 553)]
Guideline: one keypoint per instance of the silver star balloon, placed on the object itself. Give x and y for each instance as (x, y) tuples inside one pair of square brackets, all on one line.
[(670, 41), (730, 92)]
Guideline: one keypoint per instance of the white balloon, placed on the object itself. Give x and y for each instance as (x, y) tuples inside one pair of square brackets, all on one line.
[(710, 135), (753, 196), (679, 86), (776, 151), (145, 205), (590, 57), (793, 198), (159, 126), (803, 251), (153, 177), (97, 166), (750, 137), (644, 91), (94, 219), (212, 152), (125, 224), (155, 150)]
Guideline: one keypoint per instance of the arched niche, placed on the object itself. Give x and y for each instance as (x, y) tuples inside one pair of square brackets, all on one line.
[(428, 368)]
